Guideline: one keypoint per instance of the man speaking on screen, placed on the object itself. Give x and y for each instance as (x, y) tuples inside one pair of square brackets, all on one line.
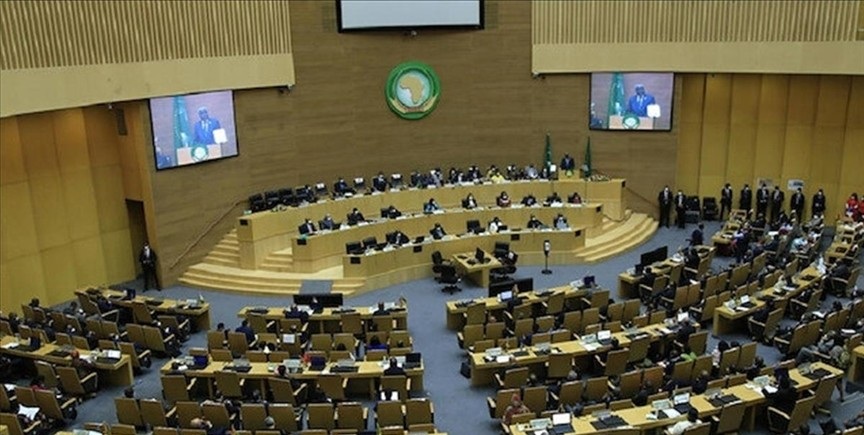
[(639, 102), (204, 128)]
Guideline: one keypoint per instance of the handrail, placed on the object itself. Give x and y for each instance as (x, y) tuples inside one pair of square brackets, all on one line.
[(203, 233)]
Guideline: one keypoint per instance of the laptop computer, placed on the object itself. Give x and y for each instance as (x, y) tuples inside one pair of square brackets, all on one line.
[(292, 365), (412, 360), (505, 295), (561, 423), (539, 424), (681, 402), (200, 361), (604, 337), (317, 363)]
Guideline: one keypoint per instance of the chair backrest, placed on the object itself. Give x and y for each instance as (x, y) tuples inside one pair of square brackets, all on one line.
[(165, 431), (801, 413), (12, 423), (237, 342), (629, 384), (729, 359), (229, 383), (128, 411), (350, 415), (535, 398), (333, 386), (70, 381), (217, 413), (389, 414), (616, 362), (825, 389), (731, 417), (174, 388), (516, 377), (49, 375), (26, 396), (399, 384), (253, 415), (418, 411), (596, 388), (703, 363), (747, 355), (285, 416), (698, 429), (186, 411), (653, 375), (560, 365), (48, 405), (320, 416), (282, 390), (153, 412), (682, 371)]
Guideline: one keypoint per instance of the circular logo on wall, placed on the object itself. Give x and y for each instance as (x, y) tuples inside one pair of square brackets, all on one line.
[(413, 90)]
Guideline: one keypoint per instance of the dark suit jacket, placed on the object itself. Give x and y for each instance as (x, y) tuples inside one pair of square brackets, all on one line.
[(797, 201), (818, 203), (437, 233), (726, 196), (147, 261), (568, 164), (250, 333), (204, 134), (746, 197), (394, 371), (697, 238), (664, 198), (680, 201), (379, 184), (762, 196), (778, 197)]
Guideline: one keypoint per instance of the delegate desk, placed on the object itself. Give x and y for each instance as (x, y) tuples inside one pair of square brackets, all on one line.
[(856, 371), (325, 249), (117, 372), (456, 309), (638, 417), (628, 281), (329, 318), (364, 379), (483, 370), (722, 239), (259, 234), (478, 272), (728, 320), (198, 312), (414, 261)]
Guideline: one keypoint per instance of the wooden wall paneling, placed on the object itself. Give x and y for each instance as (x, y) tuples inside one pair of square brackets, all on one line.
[(37, 143), (690, 131), (826, 149), (801, 116), (851, 173), (16, 222), (101, 128), (744, 112), (81, 210), (70, 139), (118, 254), (12, 168), (771, 127), (715, 133), (49, 211), (89, 259), (60, 273), (109, 198), (21, 279)]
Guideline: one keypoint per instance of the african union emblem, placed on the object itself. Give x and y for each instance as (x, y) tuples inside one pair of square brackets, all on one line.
[(413, 90)]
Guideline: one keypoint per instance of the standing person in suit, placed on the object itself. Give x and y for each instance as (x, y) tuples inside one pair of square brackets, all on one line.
[(204, 128), (817, 208), (665, 201), (639, 102), (796, 203), (746, 201), (680, 209), (725, 200), (777, 198), (568, 165), (147, 258), (762, 197)]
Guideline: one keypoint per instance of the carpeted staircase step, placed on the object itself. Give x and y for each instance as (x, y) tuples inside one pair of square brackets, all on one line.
[(635, 237)]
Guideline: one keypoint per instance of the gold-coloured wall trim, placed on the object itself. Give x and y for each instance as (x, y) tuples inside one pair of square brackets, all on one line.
[(37, 90), (632, 21), (45, 34)]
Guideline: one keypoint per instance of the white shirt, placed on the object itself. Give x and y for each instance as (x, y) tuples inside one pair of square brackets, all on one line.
[(680, 427)]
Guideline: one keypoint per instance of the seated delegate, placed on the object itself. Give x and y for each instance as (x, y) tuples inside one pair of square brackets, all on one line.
[(553, 199), (469, 202), (379, 183), (355, 217), (307, 227), (529, 200), (503, 200), (392, 212), (397, 238), (495, 225), (431, 206), (341, 188), (437, 232), (560, 222), (328, 223), (575, 198), (534, 223)]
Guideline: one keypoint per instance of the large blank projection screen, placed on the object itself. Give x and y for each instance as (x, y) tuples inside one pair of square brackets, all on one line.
[(382, 14)]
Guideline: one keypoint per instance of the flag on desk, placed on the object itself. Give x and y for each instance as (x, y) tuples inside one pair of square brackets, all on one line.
[(586, 167), (182, 136)]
